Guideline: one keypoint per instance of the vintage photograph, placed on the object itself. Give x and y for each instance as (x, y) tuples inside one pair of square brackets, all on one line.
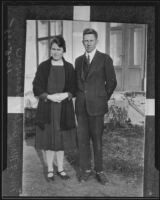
[(84, 108)]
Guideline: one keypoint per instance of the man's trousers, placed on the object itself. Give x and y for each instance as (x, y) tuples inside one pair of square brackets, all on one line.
[(90, 127)]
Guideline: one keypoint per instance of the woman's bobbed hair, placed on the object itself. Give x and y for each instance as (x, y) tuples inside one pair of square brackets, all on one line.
[(59, 40)]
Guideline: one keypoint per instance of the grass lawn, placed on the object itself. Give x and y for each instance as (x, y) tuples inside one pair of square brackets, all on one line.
[(123, 151), (123, 148)]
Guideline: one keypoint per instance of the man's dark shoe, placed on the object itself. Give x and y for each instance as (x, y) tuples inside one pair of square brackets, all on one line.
[(85, 175), (101, 178)]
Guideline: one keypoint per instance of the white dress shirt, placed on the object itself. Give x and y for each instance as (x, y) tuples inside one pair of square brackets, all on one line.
[(91, 54)]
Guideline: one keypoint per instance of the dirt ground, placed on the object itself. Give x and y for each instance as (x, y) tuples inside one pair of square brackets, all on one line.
[(120, 184)]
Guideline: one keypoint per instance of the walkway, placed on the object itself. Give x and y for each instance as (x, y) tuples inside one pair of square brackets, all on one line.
[(34, 183)]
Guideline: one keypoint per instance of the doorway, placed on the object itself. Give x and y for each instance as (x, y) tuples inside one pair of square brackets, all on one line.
[(126, 44)]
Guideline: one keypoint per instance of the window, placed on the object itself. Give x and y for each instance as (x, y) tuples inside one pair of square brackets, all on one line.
[(127, 48), (116, 51), (45, 30), (116, 47), (136, 34)]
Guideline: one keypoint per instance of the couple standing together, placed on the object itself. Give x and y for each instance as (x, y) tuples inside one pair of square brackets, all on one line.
[(55, 84)]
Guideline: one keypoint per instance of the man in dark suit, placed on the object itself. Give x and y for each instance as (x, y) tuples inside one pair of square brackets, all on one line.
[(96, 81)]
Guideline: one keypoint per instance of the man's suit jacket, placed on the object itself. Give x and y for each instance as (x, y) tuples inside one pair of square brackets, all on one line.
[(97, 88)]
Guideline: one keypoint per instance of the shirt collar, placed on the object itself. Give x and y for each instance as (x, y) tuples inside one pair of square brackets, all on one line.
[(91, 54)]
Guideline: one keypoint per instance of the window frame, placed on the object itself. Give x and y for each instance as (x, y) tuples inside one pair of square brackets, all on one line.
[(48, 37), (127, 62)]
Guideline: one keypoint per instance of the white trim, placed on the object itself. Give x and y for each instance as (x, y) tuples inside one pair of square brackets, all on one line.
[(150, 107), (15, 105), (81, 13)]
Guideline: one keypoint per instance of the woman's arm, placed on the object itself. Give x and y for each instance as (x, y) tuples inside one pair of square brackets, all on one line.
[(72, 83), (39, 84)]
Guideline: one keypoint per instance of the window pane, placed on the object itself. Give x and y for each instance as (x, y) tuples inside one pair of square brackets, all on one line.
[(137, 46), (56, 27), (43, 50), (115, 24), (53, 27), (42, 28), (116, 47)]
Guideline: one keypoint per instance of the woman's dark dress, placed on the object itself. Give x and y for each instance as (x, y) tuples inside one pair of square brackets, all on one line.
[(51, 138)]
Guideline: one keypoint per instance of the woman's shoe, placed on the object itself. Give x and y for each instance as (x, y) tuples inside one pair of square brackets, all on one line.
[(63, 175), (50, 178)]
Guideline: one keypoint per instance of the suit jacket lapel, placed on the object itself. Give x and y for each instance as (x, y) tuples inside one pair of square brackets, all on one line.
[(82, 69), (93, 64)]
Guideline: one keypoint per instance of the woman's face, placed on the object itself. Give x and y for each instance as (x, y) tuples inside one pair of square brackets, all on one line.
[(56, 51)]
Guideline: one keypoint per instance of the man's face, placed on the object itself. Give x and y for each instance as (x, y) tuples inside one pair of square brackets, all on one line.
[(89, 42)]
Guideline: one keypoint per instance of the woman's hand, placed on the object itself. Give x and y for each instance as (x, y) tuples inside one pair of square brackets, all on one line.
[(58, 97), (62, 96)]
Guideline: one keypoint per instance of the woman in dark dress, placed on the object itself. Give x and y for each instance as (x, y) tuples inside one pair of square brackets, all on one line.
[(54, 84)]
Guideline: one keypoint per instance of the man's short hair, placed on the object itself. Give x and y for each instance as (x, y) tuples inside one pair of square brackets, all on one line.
[(90, 31)]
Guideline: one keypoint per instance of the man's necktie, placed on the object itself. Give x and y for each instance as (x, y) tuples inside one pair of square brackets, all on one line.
[(88, 59), (87, 65)]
